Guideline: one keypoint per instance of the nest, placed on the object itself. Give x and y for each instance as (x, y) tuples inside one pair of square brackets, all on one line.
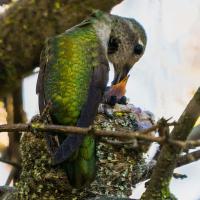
[(115, 160)]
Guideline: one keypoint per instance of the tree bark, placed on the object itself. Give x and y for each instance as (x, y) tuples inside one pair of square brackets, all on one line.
[(3, 2), (25, 26), (158, 186), (19, 116)]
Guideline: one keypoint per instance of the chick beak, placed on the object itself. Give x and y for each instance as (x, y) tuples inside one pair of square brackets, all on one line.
[(119, 89)]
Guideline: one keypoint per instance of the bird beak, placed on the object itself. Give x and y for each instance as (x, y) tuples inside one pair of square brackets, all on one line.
[(119, 89), (123, 82), (120, 75)]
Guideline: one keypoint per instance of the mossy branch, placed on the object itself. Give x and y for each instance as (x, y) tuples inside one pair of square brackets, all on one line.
[(182, 161), (25, 26), (188, 158), (169, 154), (3, 2)]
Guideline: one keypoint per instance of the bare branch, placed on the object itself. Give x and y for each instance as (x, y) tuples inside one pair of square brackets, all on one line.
[(142, 135), (10, 177), (179, 176), (14, 164), (34, 127), (6, 192), (188, 158)]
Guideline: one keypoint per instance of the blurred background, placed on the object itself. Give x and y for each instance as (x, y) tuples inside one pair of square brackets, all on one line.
[(163, 81)]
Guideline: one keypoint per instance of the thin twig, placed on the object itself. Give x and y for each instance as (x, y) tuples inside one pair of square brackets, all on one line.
[(10, 163), (142, 135), (10, 177), (83, 131), (188, 158), (179, 176)]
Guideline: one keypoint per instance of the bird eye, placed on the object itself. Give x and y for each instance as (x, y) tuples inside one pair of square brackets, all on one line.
[(138, 49), (113, 45)]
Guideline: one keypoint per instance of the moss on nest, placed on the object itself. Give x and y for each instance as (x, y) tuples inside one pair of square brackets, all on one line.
[(39, 180), (116, 163)]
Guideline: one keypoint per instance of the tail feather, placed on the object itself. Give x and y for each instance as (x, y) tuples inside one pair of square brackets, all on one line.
[(79, 164), (80, 172)]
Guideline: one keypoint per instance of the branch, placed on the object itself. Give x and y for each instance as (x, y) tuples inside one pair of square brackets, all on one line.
[(6, 192), (188, 158), (19, 116), (182, 161), (169, 154), (25, 26), (11, 176), (142, 135), (3, 2), (38, 127), (10, 163)]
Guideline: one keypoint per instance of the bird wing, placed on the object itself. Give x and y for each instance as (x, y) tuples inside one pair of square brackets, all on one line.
[(44, 60), (97, 87)]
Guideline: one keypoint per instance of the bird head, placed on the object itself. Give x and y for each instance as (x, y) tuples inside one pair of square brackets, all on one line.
[(126, 45)]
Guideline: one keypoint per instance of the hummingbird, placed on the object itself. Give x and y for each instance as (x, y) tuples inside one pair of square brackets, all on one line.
[(74, 71)]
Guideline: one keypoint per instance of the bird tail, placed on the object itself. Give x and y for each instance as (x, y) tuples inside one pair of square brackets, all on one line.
[(81, 166)]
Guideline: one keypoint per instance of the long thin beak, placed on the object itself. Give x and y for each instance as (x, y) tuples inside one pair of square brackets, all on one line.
[(121, 75), (123, 82)]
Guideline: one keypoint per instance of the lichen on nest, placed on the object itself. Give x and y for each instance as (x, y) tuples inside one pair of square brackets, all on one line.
[(116, 162), (39, 180)]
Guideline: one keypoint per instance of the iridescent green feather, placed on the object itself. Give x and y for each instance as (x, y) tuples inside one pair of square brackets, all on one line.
[(70, 59), (68, 72)]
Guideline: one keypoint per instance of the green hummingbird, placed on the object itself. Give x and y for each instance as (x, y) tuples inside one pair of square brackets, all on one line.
[(73, 76)]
